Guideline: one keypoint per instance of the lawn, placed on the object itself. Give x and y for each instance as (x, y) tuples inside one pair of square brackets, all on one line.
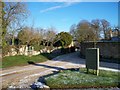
[(21, 60), (80, 79)]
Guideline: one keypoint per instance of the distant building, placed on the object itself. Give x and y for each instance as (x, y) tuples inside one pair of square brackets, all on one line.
[(112, 35)]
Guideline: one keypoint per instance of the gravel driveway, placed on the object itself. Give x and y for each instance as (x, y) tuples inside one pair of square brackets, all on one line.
[(25, 75)]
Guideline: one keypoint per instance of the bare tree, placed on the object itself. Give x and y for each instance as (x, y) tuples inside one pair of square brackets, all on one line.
[(36, 37), (25, 36), (13, 29), (96, 26), (84, 31), (49, 36), (73, 30), (105, 26), (31, 37), (15, 14)]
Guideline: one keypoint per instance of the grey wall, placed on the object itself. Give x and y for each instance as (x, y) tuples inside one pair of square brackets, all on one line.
[(107, 49)]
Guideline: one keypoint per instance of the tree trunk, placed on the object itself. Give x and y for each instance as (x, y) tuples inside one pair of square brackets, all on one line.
[(13, 39)]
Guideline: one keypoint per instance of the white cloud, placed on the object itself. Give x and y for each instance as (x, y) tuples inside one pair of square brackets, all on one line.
[(66, 4), (51, 8)]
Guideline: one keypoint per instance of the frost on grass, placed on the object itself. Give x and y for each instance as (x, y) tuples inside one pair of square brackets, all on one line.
[(77, 78)]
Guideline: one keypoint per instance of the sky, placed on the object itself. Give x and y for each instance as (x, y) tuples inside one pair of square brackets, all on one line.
[(62, 15)]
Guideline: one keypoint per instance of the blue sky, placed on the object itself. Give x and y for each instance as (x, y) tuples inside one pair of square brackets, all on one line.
[(62, 15)]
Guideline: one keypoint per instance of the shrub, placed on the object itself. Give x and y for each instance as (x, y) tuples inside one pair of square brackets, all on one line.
[(63, 39)]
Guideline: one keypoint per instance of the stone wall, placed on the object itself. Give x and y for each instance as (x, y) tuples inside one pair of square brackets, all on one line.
[(23, 50), (107, 49)]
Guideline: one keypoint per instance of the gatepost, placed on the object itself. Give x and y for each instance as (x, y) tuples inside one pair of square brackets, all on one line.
[(92, 59)]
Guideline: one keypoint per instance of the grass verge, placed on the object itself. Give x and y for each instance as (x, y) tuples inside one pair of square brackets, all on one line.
[(80, 79), (21, 60)]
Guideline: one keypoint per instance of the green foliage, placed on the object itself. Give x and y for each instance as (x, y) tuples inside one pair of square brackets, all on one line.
[(80, 79), (63, 39), (36, 47)]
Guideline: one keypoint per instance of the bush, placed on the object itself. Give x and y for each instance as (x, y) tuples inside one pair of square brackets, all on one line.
[(36, 47), (72, 49), (65, 50), (63, 39)]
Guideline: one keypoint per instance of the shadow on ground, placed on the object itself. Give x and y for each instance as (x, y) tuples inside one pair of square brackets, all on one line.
[(46, 66), (76, 59)]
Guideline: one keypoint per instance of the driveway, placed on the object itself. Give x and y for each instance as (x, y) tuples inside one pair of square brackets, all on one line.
[(25, 75)]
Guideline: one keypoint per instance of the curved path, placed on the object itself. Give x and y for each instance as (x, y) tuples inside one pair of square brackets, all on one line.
[(23, 76)]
